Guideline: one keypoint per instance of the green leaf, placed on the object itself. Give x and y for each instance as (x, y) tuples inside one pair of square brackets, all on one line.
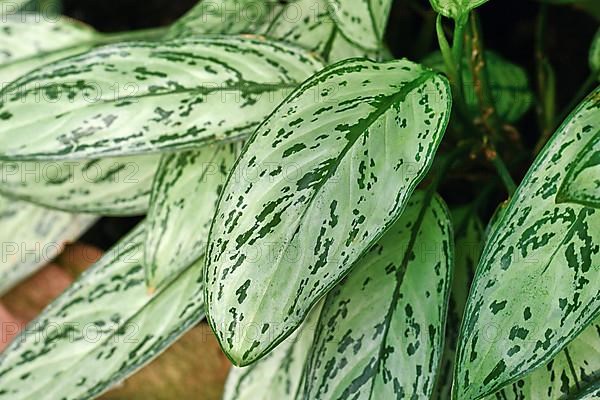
[(224, 16), (381, 330), (361, 22), (468, 238), (32, 236), (184, 199), (10, 7), (309, 23), (509, 85), (111, 186), (595, 55), (569, 375), (593, 393), (188, 92), (535, 288), (324, 184), (455, 8), (582, 182), (29, 40), (284, 367), (102, 329)]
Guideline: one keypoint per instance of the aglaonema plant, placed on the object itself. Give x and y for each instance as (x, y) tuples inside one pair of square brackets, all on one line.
[(292, 176)]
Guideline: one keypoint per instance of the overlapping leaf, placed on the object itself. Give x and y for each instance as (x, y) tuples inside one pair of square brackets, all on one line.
[(103, 328), (380, 332), (31, 237), (362, 22), (187, 92), (118, 186), (29, 40), (535, 288), (574, 371), (309, 23), (284, 367), (225, 16), (184, 199), (509, 85), (468, 238), (455, 8), (332, 168), (582, 182)]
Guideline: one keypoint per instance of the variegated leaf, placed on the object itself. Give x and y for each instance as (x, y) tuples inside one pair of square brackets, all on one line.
[(10, 7), (362, 22), (381, 330), (224, 16), (593, 393), (468, 238), (102, 329), (309, 23), (535, 288), (111, 186), (284, 367), (509, 85), (568, 376), (184, 200), (188, 92), (31, 237), (30, 40), (323, 185), (595, 55), (455, 8), (582, 182)]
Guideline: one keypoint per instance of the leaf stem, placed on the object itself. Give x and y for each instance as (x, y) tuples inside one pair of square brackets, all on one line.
[(503, 172)]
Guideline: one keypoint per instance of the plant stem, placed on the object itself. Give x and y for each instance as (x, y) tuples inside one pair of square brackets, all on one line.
[(503, 171), (546, 81)]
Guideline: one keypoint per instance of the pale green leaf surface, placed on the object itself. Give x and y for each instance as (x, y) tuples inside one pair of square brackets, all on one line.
[(381, 330), (568, 376), (309, 23), (188, 92), (30, 40), (102, 329), (283, 367), (535, 288), (118, 186), (9, 7), (331, 169), (468, 239), (184, 199), (582, 182), (362, 22), (31, 237), (509, 85), (455, 8)]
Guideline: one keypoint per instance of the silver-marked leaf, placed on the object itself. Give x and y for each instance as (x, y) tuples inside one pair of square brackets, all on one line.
[(188, 92), (536, 285), (494, 220), (455, 9), (284, 367), (330, 170), (362, 22), (509, 85), (593, 393), (468, 239), (10, 7), (30, 40), (569, 375), (31, 237), (102, 329), (224, 17), (595, 54), (184, 200), (309, 23), (111, 186), (582, 182), (381, 330)]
